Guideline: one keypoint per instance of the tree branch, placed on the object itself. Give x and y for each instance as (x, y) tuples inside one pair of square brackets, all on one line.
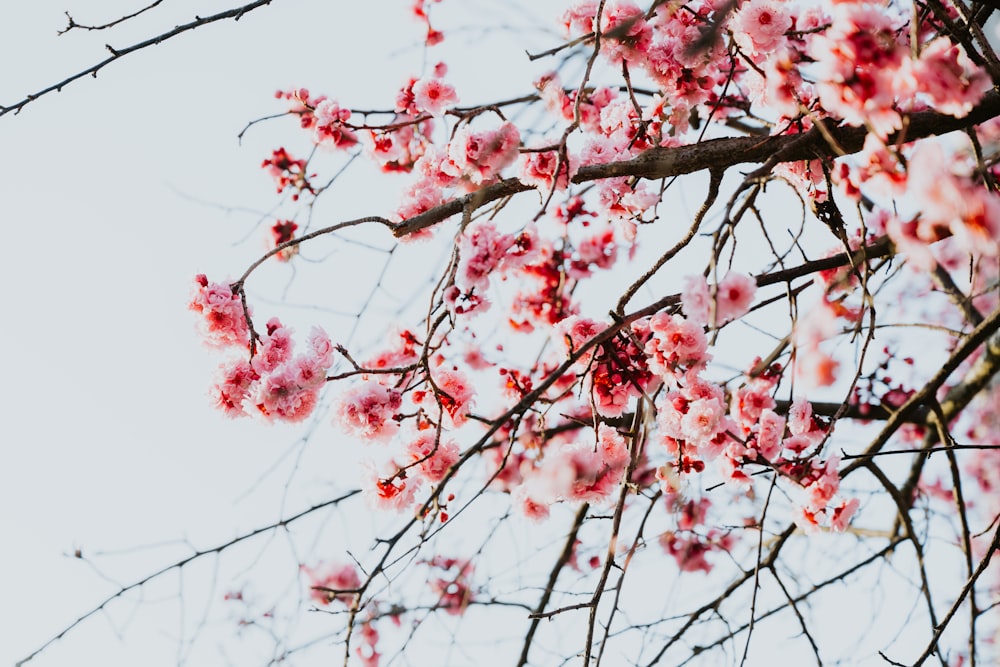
[(236, 14)]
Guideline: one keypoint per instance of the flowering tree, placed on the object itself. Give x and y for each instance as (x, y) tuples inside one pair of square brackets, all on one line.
[(610, 427)]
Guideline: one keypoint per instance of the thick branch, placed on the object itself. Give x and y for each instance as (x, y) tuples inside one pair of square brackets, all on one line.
[(658, 163)]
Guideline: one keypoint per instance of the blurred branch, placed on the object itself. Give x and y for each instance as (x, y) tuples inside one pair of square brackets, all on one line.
[(218, 549)]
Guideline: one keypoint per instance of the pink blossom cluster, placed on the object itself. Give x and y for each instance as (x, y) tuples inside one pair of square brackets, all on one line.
[(537, 167), (950, 203), (433, 37), (374, 410), (369, 410), (271, 382), (329, 582), (325, 117), (223, 322), (545, 298), (451, 583), (388, 486), (428, 95), (864, 67), (471, 159), (658, 45), (274, 383), (616, 370), (367, 648), (283, 231), (288, 172), (433, 455), (563, 104), (482, 250), (477, 157), (574, 472), (725, 302), (820, 505), (677, 345), (691, 544)]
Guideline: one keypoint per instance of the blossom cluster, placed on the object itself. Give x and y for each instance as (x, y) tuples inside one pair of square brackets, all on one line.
[(267, 379)]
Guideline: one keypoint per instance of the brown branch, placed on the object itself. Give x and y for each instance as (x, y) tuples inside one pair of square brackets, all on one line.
[(550, 586), (658, 163), (939, 629), (960, 395), (73, 24), (236, 14)]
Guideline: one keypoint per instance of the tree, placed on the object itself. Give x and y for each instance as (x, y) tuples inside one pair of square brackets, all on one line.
[(600, 423)]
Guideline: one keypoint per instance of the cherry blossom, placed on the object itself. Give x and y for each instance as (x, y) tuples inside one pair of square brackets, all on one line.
[(223, 322), (326, 578), (433, 96), (433, 455), (367, 410)]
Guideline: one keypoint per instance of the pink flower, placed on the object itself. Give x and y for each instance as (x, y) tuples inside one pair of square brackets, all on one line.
[(529, 507), (223, 321), (951, 202), (575, 331), (454, 587), (480, 156), (481, 249), (327, 578), (945, 74), (627, 34), (612, 447), (676, 342), (861, 67), (769, 434), (330, 127), (475, 359), (455, 393), (433, 96), (232, 386), (367, 410), (816, 368), (274, 349), (800, 417), (283, 231), (287, 171), (696, 300), (404, 351), (595, 251), (842, 514), (290, 392), (579, 19), (733, 297), (320, 347), (389, 490), (749, 402), (420, 197), (435, 455), (538, 168), (580, 473), (760, 26)]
